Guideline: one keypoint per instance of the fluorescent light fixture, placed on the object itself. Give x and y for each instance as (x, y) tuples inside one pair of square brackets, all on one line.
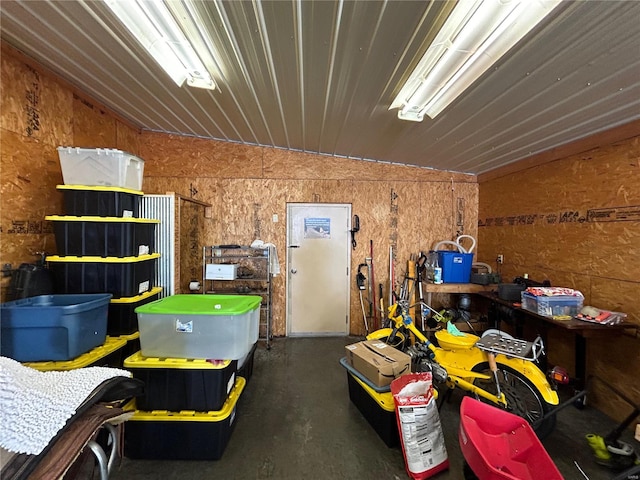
[(474, 36), (151, 22)]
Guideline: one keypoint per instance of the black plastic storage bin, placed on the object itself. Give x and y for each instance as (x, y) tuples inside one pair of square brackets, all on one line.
[(375, 403), (245, 365), (123, 319), (103, 236), (30, 280), (98, 201), (176, 384), (188, 435), (121, 277)]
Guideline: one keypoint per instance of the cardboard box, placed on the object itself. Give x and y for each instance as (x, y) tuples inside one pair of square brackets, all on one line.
[(377, 361)]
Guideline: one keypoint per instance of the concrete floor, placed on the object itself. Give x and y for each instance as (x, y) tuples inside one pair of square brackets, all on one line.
[(295, 421)]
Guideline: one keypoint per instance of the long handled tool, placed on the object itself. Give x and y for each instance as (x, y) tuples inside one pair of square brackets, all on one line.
[(373, 290), (382, 315), (370, 291), (360, 281)]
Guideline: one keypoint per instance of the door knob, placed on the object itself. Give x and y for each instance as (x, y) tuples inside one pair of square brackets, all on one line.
[(293, 270)]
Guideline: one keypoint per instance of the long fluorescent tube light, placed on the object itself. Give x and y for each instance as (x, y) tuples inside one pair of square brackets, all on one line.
[(151, 22), (474, 36)]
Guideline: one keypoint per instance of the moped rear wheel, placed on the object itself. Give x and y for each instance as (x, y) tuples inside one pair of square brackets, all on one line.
[(523, 399)]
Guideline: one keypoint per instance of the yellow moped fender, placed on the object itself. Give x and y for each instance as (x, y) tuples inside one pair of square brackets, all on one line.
[(460, 363), (533, 374), (378, 334), (385, 333)]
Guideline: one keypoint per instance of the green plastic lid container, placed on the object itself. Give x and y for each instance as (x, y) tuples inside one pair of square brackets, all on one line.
[(202, 305)]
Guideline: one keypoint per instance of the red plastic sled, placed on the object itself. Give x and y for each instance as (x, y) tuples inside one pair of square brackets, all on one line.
[(499, 445)]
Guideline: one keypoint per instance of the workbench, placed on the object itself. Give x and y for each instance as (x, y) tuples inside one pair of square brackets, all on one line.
[(582, 330)]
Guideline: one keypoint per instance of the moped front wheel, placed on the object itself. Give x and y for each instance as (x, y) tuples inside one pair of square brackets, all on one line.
[(523, 399)]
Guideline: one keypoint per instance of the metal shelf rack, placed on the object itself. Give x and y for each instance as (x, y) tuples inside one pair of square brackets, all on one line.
[(252, 277)]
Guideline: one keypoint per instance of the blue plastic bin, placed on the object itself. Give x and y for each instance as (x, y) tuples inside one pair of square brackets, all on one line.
[(456, 266), (53, 327)]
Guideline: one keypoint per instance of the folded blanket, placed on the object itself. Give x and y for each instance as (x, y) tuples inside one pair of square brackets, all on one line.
[(35, 405)]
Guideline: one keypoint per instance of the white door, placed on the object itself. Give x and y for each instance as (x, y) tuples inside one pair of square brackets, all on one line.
[(318, 259)]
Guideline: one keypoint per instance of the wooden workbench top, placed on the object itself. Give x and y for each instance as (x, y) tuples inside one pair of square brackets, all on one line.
[(455, 288)]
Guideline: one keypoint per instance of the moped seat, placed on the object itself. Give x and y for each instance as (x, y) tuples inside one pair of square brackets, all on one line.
[(449, 341)]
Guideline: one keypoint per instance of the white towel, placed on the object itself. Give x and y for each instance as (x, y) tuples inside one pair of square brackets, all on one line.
[(35, 405), (273, 255)]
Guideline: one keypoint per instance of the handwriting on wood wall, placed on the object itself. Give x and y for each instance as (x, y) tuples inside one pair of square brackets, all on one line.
[(629, 213), (32, 105)]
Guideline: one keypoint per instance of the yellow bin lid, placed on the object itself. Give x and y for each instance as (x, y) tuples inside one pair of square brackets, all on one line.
[(190, 415), (138, 361), (137, 298), (89, 259), (97, 188), (92, 356), (75, 218), (131, 336)]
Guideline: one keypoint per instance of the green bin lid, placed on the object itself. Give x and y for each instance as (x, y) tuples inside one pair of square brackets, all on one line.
[(195, 304)]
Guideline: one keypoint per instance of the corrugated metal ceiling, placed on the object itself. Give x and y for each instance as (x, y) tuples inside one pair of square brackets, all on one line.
[(319, 76)]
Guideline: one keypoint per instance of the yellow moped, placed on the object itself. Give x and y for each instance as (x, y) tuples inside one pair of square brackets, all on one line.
[(495, 368)]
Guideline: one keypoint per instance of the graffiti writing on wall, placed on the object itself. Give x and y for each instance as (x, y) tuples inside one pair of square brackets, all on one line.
[(393, 227), (257, 223), (611, 214), (615, 214), (30, 227), (32, 105)]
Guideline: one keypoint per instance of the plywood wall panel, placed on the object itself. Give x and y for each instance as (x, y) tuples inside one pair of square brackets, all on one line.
[(93, 127), (284, 164), (244, 209), (613, 359), (446, 211), (34, 104), (615, 250), (371, 202), (575, 221), (30, 172), (617, 295), (191, 218), (39, 112), (195, 157), (13, 82), (128, 138)]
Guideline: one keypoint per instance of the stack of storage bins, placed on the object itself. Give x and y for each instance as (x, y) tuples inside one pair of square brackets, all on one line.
[(103, 245), (190, 396)]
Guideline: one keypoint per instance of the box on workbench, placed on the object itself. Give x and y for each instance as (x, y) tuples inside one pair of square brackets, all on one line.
[(549, 306)]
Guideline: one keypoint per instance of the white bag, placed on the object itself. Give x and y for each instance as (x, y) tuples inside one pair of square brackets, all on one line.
[(421, 436)]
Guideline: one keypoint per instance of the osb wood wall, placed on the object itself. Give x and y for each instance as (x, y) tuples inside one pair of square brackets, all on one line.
[(576, 222), (191, 223), (39, 112), (408, 208)]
